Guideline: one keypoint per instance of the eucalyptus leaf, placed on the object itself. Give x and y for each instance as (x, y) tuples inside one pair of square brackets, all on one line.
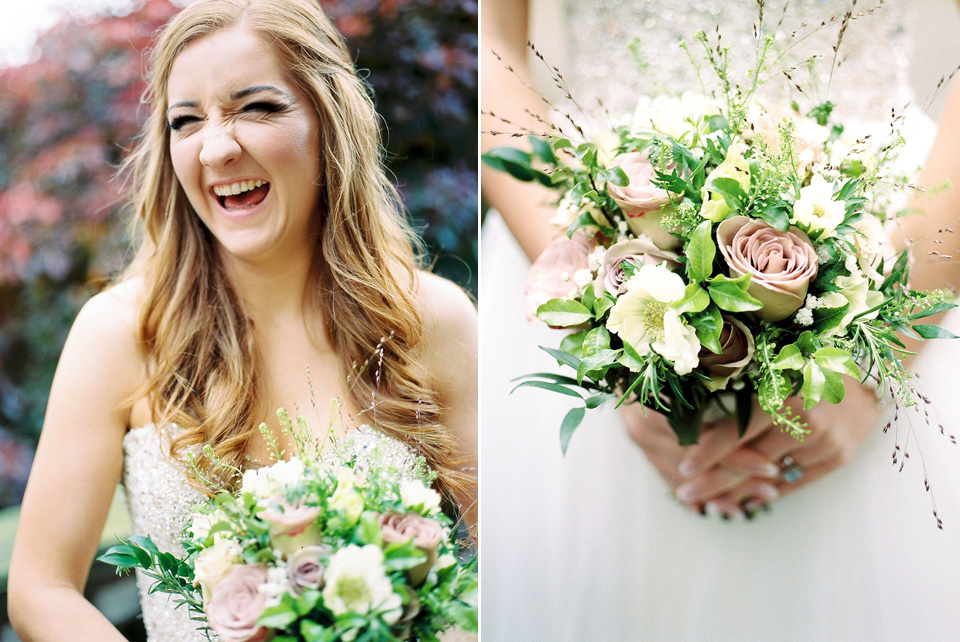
[(547, 385)]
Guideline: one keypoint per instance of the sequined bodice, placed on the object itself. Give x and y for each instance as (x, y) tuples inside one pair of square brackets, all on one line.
[(160, 498), (605, 41)]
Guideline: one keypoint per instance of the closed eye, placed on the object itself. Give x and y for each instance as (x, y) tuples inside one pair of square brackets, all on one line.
[(264, 106), (178, 122)]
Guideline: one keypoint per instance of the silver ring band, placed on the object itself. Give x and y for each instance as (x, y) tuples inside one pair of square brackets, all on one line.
[(790, 470)]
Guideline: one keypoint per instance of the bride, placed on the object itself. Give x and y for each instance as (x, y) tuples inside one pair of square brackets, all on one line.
[(602, 544), (274, 266)]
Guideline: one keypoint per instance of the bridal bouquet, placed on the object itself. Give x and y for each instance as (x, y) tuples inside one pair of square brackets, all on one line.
[(720, 249), (318, 549)]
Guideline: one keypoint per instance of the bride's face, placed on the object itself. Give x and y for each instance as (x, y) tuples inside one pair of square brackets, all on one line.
[(245, 146)]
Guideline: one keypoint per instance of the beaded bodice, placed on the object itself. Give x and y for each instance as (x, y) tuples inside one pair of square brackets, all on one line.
[(617, 50), (159, 498)]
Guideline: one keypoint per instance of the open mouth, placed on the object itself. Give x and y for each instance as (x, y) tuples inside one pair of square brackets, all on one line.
[(242, 194)]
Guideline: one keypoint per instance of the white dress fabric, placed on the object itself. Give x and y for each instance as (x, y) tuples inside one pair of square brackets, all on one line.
[(592, 546), (159, 499)]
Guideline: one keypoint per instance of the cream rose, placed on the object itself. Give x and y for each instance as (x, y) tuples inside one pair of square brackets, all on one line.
[(425, 533), (551, 275), (237, 602), (213, 564), (640, 251), (642, 201), (873, 246), (816, 210), (780, 264), (736, 351)]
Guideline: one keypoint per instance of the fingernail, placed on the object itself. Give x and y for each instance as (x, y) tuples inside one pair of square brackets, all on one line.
[(687, 468), (767, 469), (735, 514), (768, 492), (685, 493), (711, 509), (754, 505)]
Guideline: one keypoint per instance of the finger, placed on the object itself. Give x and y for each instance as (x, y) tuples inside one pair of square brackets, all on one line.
[(810, 475), (751, 462), (708, 485), (720, 439), (744, 500)]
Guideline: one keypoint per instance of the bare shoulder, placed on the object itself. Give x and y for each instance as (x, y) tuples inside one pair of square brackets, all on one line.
[(448, 312)]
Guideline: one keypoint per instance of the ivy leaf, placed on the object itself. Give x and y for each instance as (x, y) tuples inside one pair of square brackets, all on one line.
[(701, 251), (789, 358), (731, 294), (562, 313), (695, 299), (837, 360)]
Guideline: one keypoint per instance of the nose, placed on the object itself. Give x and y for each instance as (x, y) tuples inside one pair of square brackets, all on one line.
[(220, 147)]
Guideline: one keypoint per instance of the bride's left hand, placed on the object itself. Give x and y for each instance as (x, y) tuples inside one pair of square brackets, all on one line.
[(719, 472)]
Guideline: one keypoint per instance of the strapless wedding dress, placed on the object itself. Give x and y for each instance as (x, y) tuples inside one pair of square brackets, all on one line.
[(593, 546), (159, 498)]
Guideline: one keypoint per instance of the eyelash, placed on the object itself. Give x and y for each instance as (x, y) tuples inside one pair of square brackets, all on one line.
[(271, 108)]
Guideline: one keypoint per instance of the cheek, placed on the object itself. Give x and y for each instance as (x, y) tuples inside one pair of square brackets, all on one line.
[(184, 162)]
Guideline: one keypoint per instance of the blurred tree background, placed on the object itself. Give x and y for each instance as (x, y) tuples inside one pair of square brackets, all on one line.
[(66, 118)]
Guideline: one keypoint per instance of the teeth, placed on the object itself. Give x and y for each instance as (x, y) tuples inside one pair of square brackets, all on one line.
[(237, 188)]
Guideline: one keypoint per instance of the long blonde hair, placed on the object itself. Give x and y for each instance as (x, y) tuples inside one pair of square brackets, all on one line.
[(203, 366)]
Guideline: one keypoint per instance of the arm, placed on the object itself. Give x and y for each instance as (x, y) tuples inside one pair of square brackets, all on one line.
[(520, 204), (75, 472), (450, 355)]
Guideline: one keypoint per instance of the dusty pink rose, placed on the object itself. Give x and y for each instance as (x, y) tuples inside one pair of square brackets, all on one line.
[(237, 602), (780, 264), (426, 534), (641, 200), (551, 275), (640, 251), (304, 568), (736, 351), (288, 518)]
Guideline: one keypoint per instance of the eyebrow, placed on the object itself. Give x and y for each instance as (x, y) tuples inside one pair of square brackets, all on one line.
[(235, 95)]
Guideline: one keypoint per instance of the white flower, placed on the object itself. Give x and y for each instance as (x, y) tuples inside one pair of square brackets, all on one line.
[(643, 318), (674, 116), (444, 561), (567, 212), (855, 290), (203, 522), (816, 210), (213, 564), (804, 317), (582, 278), (873, 246), (416, 496), (346, 498), (356, 582), (277, 584), (262, 482)]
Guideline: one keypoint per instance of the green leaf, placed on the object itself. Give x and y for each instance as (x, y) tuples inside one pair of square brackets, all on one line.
[(789, 358), (833, 388), (701, 251), (307, 601), (278, 617), (601, 305), (596, 341), (806, 342), (598, 400), (933, 332), (588, 297), (695, 299), (573, 343), (116, 558), (596, 362), (615, 176), (708, 327), (943, 306), (547, 385), (569, 424), (813, 383), (837, 360), (777, 217), (562, 357), (730, 189), (731, 294), (512, 161), (542, 149), (825, 319), (563, 313)]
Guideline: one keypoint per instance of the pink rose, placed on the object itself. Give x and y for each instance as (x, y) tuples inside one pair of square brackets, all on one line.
[(641, 200), (780, 264), (425, 533), (286, 518), (551, 275), (736, 351), (305, 570), (237, 602), (640, 251)]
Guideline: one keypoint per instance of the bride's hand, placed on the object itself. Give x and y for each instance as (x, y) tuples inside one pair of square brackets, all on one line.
[(727, 475)]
